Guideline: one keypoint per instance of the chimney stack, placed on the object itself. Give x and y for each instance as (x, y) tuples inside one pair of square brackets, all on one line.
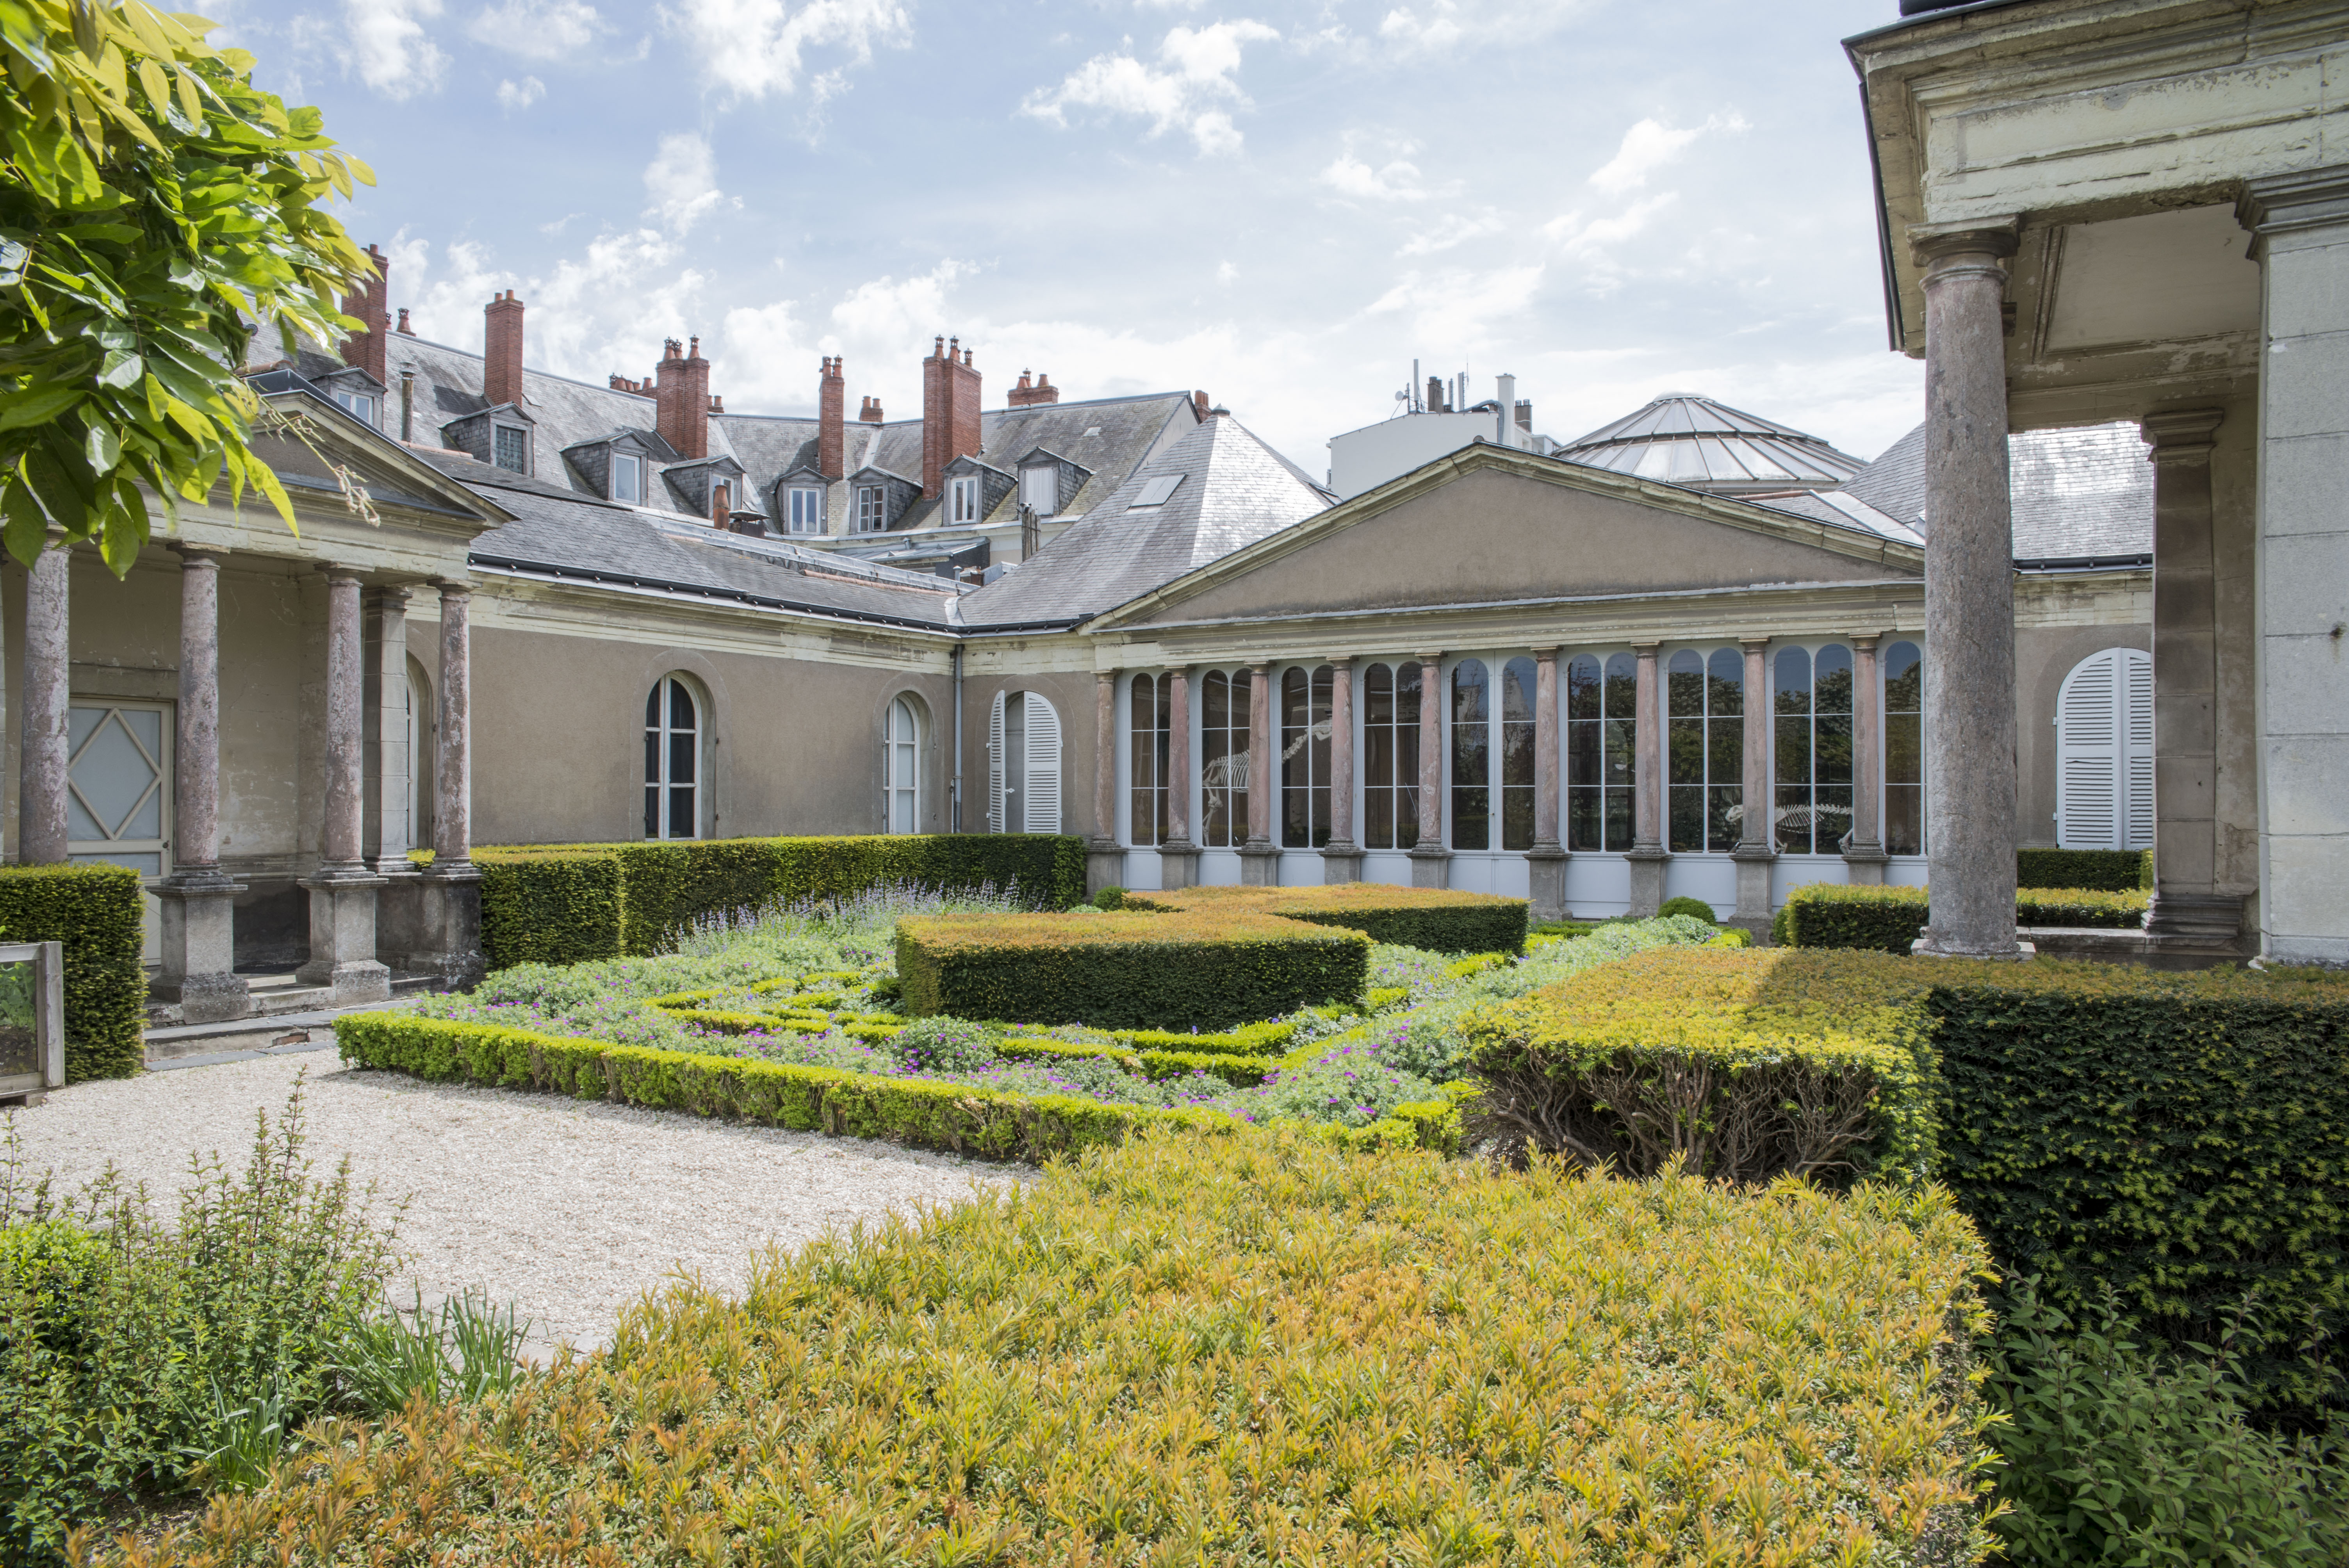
[(950, 410), (405, 330), (1026, 396), (831, 417), (870, 412), (502, 351), (364, 349), (1199, 405), (682, 398), (1437, 403)]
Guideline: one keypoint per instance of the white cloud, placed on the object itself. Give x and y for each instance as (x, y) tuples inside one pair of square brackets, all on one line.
[(1197, 68), (538, 29), (1441, 25), (1651, 144), (385, 42), (753, 47), (1453, 229), (1463, 310), (682, 180), (1578, 238), (521, 94), (1397, 181), (1227, 272), (887, 311)]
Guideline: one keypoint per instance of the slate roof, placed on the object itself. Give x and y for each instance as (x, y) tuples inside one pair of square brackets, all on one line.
[(1684, 438), (1843, 510), (1234, 490), (2079, 494)]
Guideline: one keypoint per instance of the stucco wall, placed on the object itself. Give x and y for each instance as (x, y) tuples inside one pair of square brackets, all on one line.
[(2044, 656)]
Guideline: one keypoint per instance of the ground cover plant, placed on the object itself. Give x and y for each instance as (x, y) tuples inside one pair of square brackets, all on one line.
[(1263, 1348)]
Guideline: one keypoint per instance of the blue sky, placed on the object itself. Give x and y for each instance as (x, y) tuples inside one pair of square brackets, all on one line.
[(1282, 204)]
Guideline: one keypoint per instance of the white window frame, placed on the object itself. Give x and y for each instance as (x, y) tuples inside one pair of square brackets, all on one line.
[(521, 435), (664, 731), (633, 490), (803, 507), (1041, 481), (871, 508), (1038, 772), (2103, 752), (962, 499), (360, 405), (901, 767), (113, 846)]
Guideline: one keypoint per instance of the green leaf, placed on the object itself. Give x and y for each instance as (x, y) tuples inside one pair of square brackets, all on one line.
[(126, 530), (53, 481), (103, 447), (121, 370), (26, 526), (37, 408), (13, 255)]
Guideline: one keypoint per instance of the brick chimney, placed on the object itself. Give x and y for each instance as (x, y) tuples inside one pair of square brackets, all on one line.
[(501, 350), (364, 349), (831, 418), (682, 398), (870, 413), (1026, 396), (1199, 403), (950, 410), (405, 330)]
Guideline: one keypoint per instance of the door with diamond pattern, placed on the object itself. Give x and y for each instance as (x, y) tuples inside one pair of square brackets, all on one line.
[(119, 790)]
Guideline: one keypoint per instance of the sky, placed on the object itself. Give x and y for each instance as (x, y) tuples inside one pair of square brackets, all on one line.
[(1281, 204)]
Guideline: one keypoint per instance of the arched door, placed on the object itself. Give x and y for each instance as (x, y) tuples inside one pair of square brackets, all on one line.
[(2103, 752)]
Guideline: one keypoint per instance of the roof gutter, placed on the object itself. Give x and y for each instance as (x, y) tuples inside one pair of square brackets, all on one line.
[(725, 595)]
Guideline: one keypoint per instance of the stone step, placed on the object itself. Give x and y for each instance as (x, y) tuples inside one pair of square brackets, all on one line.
[(284, 1020), (273, 996)]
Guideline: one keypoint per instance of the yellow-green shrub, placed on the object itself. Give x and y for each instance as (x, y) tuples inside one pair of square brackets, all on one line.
[(1244, 1351), (1440, 920)]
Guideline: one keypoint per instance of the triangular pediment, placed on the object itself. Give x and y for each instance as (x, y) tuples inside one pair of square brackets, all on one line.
[(397, 479)]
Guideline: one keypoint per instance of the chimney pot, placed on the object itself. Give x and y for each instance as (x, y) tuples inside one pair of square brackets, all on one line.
[(950, 428), (501, 350), (404, 327), (831, 411), (683, 404)]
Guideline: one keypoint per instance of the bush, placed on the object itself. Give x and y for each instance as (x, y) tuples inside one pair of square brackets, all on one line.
[(559, 903), (1670, 1056), (1251, 1350), (2107, 871), (1889, 919), (1437, 920), (2114, 1453), (1125, 971), (95, 912), (1695, 908), (1109, 897)]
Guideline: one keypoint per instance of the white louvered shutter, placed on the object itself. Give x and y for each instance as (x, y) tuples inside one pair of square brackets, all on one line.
[(2137, 755), (2104, 753), (995, 766), (1043, 765)]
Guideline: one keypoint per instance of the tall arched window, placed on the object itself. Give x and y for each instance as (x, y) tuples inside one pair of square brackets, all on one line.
[(1305, 757), (423, 756), (1472, 746), (1023, 765), (1224, 759), (673, 726), (1904, 750), (1151, 697), (1517, 755), (1602, 708), (1705, 750), (901, 767), (2103, 752), (1390, 757), (1813, 813)]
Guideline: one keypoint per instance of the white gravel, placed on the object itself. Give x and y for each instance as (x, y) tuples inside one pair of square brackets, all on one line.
[(569, 1209)]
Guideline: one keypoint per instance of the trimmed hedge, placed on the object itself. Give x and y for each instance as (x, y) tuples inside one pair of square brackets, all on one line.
[(1240, 1072), (563, 903), (1887, 919), (1439, 920), (2107, 870), (1125, 971), (95, 912)]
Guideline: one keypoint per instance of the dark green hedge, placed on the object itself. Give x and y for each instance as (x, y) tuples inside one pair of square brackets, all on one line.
[(2110, 871), (560, 903), (1889, 919), (95, 912), (1125, 971), (1438, 920)]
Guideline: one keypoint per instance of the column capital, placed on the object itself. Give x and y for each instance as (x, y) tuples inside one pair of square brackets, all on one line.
[(1753, 645), (1648, 650), (2180, 435), (1105, 677), (1975, 242), (1547, 655), (1865, 641), (1431, 657), (457, 587), (2283, 203), (195, 554), (1341, 661), (335, 573), (394, 595)]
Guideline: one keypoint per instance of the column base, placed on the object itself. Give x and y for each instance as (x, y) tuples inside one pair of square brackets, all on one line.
[(1431, 865), (1647, 865), (1341, 861), (1545, 883), (1104, 865), (199, 947), (1932, 945), (1178, 865), (450, 927), (1864, 863), (342, 937), (2201, 916), (1753, 911), (1259, 864)]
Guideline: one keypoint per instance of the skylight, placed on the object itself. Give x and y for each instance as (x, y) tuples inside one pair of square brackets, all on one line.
[(1156, 491)]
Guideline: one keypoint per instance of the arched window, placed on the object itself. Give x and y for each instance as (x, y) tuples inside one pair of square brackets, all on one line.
[(901, 767), (1390, 757), (1224, 759), (423, 756), (1472, 748), (1517, 755), (1814, 750), (1305, 757), (1023, 765), (1705, 750), (1150, 698), (2103, 752), (673, 729), (1904, 750), (1602, 708)]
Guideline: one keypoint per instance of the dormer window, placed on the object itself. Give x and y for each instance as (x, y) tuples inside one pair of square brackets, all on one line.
[(805, 505), (360, 406), (512, 451), (628, 478), (962, 500), (872, 509), (1039, 489)]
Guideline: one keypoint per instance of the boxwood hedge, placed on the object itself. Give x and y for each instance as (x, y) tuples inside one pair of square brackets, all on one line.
[(1889, 918), (95, 912), (2108, 871), (1440, 920)]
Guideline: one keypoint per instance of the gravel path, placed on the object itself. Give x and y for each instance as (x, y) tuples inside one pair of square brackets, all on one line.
[(569, 1209)]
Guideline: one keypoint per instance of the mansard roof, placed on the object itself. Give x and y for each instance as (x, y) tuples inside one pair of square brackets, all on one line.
[(2079, 494)]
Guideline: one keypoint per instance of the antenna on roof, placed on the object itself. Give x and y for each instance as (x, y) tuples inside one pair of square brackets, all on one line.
[(1414, 384)]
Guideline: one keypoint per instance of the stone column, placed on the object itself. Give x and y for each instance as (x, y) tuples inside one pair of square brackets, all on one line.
[(2187, 903), (343, 891), (452, 902), (1260, 856), (1179, 857), (1864, 860), (1970, 768), (389, 770), (1546, 862), (1341, 856), (2300, 227), (41, 790), (199, 900), (1104, 857), (1431, 858), (1647, 855), (1756, 850)]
